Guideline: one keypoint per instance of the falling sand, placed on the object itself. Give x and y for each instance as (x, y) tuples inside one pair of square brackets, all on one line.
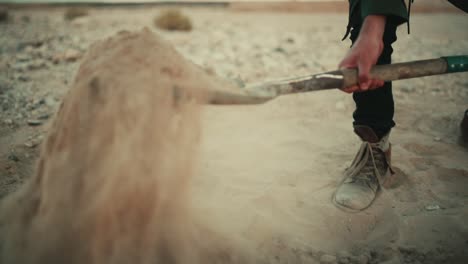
[(113, 177)]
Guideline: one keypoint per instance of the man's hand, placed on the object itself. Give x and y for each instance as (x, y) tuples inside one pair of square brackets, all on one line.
[(365, 53)]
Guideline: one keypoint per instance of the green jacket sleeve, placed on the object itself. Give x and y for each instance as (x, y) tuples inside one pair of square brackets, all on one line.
[(395, 10)]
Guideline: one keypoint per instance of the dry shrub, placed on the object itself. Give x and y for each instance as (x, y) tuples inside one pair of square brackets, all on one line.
[(112, 182), (173, 19), (75, 12), (3, 14)]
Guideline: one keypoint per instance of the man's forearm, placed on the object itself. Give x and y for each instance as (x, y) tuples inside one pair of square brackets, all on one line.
[(373, 27)]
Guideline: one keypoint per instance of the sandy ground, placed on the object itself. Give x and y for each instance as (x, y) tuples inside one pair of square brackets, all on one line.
[(268, 172)]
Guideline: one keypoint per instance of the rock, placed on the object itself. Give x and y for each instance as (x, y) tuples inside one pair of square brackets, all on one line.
[(20, 67), (36, 64), (343, 257), (173, 19), (406, 89), (279, 50), (43, 117), (22, 57), (29, 50), (394, 260), (361, 259), (13, 157), (36, 52), (432, 207), (4, 14), (25, 19), (69, 55), (238, 81), (8, 121), (49, 101), (74, 12), (80, 21), (32, 143), (34, 43), (328, 259), (5, 84), (34, 122), (343, 254), (343, 261), (23, 78)]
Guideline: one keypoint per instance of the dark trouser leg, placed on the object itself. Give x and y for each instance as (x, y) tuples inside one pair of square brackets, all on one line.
[(376, 108)]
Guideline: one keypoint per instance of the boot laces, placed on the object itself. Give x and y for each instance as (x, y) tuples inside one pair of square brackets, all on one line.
[(375, 164)]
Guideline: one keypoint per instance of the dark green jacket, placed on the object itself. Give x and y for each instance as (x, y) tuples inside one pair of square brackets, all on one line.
[(395, 10)]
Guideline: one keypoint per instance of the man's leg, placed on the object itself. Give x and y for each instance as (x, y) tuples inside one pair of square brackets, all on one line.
[(375, 108), (373, 120)]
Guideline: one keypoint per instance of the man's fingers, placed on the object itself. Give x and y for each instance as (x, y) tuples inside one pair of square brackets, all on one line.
[(364, 67), (351, 89), (374, 84)]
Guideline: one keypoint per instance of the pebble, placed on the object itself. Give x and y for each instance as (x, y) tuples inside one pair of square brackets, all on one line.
[(13, 157), (3, 14), (280, 50), (8, 121), (362, 259), (290, 40), (49, 101), (23, 66), (23, 78), (343, 254), (80, 21), (34, 122), (20, 67), (23, 57), (343, 261), (432, 207), (33, 141), (328, 259), (343, 257), (69, 55), (31, 144), (43, 117)]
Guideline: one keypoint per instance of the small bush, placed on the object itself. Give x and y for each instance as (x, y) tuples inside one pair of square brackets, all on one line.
[(3, 14), (173, 20), (75, 12)]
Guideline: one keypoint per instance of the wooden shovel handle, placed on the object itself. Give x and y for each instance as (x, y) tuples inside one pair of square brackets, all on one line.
[(264, 92), (412, 69)]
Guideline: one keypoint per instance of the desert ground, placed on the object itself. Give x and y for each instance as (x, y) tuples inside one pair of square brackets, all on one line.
[(267, 172)]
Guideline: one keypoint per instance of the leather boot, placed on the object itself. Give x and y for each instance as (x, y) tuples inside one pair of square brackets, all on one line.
[(367, 173)]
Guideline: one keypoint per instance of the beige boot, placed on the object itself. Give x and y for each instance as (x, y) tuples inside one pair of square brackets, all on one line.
[(364, 178)]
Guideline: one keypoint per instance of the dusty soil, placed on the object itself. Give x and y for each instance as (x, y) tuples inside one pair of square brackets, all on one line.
[(267, 172)]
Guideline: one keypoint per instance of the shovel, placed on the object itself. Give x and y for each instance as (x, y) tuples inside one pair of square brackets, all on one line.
[(260, 93)]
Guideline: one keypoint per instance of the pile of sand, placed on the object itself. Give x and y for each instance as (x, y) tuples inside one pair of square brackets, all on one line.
[(114, 173), (114, 180)]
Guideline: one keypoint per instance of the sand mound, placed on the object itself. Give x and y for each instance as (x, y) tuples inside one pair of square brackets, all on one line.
[(113, 176)]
